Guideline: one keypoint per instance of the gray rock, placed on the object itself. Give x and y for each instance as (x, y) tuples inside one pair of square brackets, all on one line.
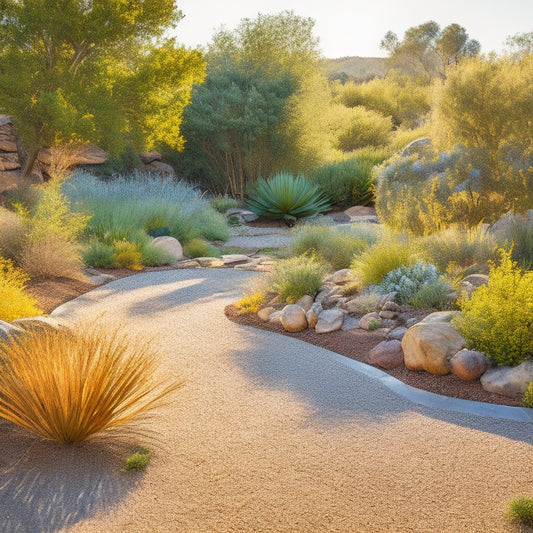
[(388, 314), (350, 323), (388, 323), (430, 346), (476, 280), (244, 214), (170, 245), (8, 330), (313, 314), (275, 317), (387, 354), (389, 297), (469, 365), (508, 381), (265, 312), (305, 302), (233, 259), (397, 333), (329, 320), (366, 320), (97, 278), (410, 322), (293, 318)]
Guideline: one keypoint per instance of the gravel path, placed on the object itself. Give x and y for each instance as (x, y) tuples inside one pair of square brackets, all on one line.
[(269, 434)]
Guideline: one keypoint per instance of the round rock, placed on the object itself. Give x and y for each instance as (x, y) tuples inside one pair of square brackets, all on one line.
[(387, 354), (171, 245), (329, 320), (469, 365), (293, 318)]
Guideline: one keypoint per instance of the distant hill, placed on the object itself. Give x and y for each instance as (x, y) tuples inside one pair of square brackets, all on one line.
[(359, 68)]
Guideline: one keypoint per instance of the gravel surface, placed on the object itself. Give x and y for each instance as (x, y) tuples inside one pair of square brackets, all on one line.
[(269, 434)]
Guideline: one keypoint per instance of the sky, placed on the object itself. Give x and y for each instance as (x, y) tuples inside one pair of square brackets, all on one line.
[(356, 27)]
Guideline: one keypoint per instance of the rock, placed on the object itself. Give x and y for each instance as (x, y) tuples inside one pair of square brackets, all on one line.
[(341, 277), (293, 318), (37, 322), (388, 314), (469, 365), (250, 265), (476, 280), (245, 214), (85, 155), (313, 314), (389, 323), (161, 168), (397, 333), (5, 119), (8, 164), (188, 263), (389, 297), (410, 322), (171, 245), (305, 302), (429, 346), (329, 320), (387, 354), (232, 259), (275, 317), (9, 180), (440, 316), (391, 306), (265, 312), (150, 157), (360, 210), (366, 320), (209, 262), (350, 323), (8, 146), (97, 278), (507, 380), (8, 330)]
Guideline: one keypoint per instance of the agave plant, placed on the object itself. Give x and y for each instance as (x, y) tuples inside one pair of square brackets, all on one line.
[(287, 197)]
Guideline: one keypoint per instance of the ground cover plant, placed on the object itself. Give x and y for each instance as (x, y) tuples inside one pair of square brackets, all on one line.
[(521, 511), (138, 461), (86, 381)]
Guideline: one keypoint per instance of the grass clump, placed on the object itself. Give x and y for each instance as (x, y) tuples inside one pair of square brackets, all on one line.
[(250, 304), (497, 319), (295, 277), (99, 254), (528, 396), (198, 248), (224, 203), (14, 302), (138, 461), (521, 511), (85, 382), (128, 255)]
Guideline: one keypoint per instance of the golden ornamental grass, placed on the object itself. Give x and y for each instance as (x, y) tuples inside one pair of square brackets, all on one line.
[(68, 386)]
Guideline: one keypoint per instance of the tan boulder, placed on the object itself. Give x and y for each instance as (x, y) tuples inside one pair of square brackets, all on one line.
[(84, 155), (305, 302), (368, 319), (509, 381), (313, 314), (429, 346), (265, 312), (293, 318), (329, 320), (171, 245)]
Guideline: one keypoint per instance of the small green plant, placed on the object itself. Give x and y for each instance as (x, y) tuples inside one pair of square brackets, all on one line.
[(497, 319), (373, 325), (224, 203), (153, 256), (250, 304), (295, 277), (521, 511), (128, 255), (528, 396), (197, 248), (98, 254), (139, 460), (287, 197)]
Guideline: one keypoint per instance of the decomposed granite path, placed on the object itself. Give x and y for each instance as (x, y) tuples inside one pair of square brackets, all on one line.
[(268, 434)]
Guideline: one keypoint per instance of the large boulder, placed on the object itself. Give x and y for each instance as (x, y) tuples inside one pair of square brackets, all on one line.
[(85, 155), (293, 318), (329, 320), (387, 354), (150, 157), (469, 365), (341, 277), (508, 381), (170, 245), (429, 346)]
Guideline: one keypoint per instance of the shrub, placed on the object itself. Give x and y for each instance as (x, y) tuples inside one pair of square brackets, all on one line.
[(497, 319), (433, 294), (221, 204), (385, 256), (250, 304), (138, 461), (153, 256), (196, 248), (295, 277), (517, 236), (14, 302), (367, 301), (84, 382), (11, 233), (408, 281), (287, 197), (528, 396), (128, 255), (98, 254), (521, 511)]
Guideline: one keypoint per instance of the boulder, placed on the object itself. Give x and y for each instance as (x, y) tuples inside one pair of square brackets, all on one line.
[(265, 312), (476, 280), (349, 323), (429, 346), (8, 163), (9, 180), (232, 259), (341, 277), (85, 155), (245, 214), (305, 302), (507, 380), (329, 320), (414, 146), (389, 297), (313, 314), (8, 330), (171, 245), (469, 365), (440, 316), (387, 354), (37, 322), (187, 263), (366, 320), (97, 278), (150, 157), (275, 317), (391, 306), (293, 318), (388, 314), (7, 146), (397, 333), (360, 210), (161, 168)]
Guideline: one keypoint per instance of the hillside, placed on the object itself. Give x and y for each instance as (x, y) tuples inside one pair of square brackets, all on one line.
[(356, 67)]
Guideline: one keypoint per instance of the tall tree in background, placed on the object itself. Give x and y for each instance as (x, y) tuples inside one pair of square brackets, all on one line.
[(75, 71), (426, 51), (262, 107)]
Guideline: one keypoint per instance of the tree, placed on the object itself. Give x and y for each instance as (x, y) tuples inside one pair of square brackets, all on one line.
[(520, 45), (426, 51), (72, 71)]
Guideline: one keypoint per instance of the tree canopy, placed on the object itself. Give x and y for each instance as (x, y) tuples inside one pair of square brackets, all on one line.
[(94, 71)]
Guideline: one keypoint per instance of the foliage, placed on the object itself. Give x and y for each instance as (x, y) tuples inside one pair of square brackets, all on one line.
[(497, 319), (528, 398), (223, 203), (521, 511), (196, 248), (128, 255), (485, 105), (139, 460), (85, 382), (373, 325), (11, 233), (287, 197), (427, 51), (386, 255), (295, 277), (108, 84), (517, 236), (14, 302), (153, 256), (333, 245), (458, 246), (367, 301), (250, 304), (520, 45), (417, 284), (98, 254), (435, 295)]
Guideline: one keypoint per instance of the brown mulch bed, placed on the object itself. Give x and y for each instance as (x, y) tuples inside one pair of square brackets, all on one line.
[(356, 344)]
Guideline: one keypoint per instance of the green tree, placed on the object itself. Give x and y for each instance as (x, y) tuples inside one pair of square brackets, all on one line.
[(520, 45), (426, 51), (71, 71)]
